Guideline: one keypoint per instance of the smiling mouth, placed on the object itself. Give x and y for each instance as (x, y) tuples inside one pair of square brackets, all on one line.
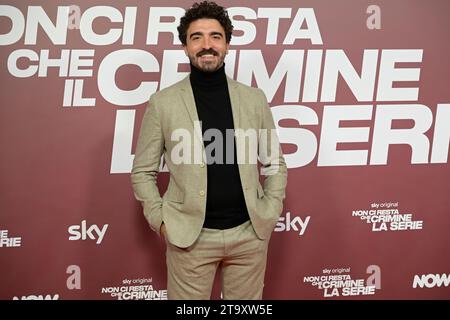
[(209, 52), (207, 57)]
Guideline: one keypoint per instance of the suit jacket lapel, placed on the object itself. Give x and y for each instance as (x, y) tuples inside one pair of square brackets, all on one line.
[(189, 102), (188, 98), (234, 98)]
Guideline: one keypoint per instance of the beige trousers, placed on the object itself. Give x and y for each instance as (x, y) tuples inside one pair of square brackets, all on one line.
[(240, 254)]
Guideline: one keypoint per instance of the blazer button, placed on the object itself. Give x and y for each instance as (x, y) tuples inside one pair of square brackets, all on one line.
[(202, 193), (202, 165)]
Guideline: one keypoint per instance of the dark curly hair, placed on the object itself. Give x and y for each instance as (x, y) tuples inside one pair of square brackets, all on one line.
[(205, 10)]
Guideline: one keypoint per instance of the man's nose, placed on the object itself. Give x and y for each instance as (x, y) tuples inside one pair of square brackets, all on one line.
[(206, 43)]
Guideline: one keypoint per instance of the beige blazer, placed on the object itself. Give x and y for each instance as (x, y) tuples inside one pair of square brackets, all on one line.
[(182, 207)]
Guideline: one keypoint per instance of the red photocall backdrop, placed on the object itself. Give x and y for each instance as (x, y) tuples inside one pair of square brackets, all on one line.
[(360, 94)]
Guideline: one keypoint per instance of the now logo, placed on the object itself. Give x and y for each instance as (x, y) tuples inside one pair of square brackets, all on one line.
[(431, 280), (82, 232)]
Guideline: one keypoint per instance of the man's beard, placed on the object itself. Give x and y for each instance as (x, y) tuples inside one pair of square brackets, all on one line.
[(207, 66)]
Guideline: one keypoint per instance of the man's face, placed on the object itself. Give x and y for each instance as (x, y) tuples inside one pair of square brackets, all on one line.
[(206, 44)]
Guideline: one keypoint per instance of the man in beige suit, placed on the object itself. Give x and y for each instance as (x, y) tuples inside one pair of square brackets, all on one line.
[(215, 214)]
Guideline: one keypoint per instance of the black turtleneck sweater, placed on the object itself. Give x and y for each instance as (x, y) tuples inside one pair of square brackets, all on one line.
[(225, 203)]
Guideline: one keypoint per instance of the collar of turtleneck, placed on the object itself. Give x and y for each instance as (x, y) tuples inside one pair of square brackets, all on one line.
[(208, 80)]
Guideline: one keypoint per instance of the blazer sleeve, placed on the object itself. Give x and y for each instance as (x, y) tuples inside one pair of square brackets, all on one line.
[(273, 165), (149, 149)]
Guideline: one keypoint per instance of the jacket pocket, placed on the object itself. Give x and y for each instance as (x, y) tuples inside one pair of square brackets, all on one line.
[(174, 194)]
